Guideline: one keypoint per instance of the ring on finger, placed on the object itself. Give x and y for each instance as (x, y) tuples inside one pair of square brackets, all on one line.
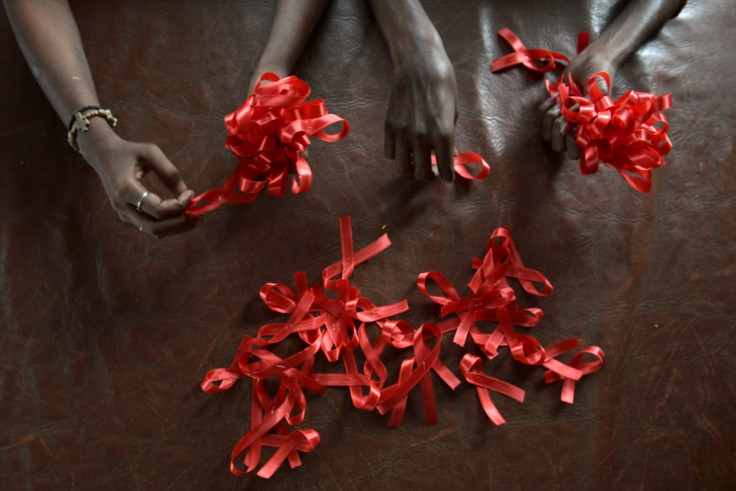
[(139, 206)]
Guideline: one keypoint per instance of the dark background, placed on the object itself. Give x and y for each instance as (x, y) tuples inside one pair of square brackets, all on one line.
[(106, 333)]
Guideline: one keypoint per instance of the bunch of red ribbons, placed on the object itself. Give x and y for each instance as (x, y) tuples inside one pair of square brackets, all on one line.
[(334, 323), (269, 134), (629, 135)]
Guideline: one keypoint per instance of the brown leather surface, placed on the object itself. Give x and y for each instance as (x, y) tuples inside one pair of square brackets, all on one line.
[(106, 333)]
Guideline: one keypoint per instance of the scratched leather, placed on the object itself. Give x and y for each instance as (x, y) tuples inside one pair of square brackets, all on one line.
[(106, 333)]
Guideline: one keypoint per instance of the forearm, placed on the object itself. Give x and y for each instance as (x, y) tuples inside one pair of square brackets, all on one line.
[(49, 39), (406, 28), (639, 20), (292, 26)]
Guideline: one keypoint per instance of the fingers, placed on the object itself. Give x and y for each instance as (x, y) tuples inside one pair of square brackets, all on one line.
[(416, 158), (557, 137), (160, 209), (153, 214), (160, 217), (402, 155), (169, 226), (601, 83), (551, 114), (162, 167), (557, 130), (444, 151), (422, 161)]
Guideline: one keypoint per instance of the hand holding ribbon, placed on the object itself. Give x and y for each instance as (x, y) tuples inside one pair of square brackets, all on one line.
[(628, 135)]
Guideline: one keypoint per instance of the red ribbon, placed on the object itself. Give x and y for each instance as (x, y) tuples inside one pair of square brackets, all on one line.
[(472, 368), (269, 134), (462, 163), (524, 56), (586, 368), (628, 135)]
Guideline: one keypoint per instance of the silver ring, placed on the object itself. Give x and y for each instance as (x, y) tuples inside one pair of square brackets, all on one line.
[(139, 206)]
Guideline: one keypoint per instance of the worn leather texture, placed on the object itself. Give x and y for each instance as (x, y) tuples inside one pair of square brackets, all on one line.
[(106, 332)]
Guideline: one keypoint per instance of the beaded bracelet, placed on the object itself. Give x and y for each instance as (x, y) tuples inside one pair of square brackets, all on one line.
[(80, 122)]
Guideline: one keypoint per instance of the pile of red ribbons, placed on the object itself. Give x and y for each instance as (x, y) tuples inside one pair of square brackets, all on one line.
[(629, 135), (333, 322), (269, 134)]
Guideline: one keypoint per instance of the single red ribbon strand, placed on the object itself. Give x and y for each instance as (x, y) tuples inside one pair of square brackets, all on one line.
[(524, 56), (463, 162)]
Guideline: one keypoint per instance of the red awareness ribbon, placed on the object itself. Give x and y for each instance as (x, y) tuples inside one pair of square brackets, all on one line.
[(269, 134), (524, 56), (588, 367), (471, 367), (628, 135), (416, 370)]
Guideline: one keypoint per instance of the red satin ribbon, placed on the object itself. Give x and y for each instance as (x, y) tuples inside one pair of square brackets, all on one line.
[(462, 163), (628, 135), (471, 367), (586, 368), (269, 134), (524, 56)]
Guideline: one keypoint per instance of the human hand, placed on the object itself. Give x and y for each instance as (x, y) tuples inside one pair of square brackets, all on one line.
[(422, 112), (555, 128), (122, 165)]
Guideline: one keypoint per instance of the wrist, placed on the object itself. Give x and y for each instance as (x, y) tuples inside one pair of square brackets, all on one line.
[(81, 120), (408, 48), (265, 66), (407, 29), (97, 136)]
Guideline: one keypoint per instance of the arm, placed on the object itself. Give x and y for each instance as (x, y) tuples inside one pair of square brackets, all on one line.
[(639, 20), (49, 39), (292, 26), (422, 108)]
